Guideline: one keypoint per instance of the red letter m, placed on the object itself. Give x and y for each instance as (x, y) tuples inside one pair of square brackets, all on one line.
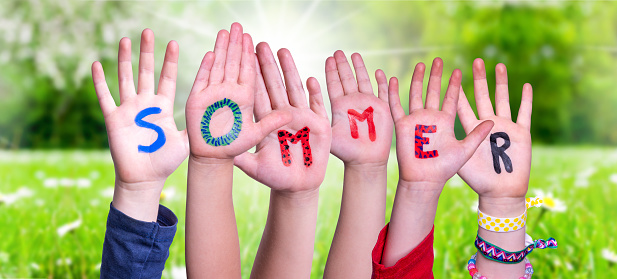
[(366, 115)]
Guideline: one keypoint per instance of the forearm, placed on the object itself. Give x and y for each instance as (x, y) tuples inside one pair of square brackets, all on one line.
[(287, 244), (510, 241), (211, 233), (413, 215), (361, 218)]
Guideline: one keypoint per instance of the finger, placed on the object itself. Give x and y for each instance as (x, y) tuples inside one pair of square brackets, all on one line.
[(262, 101), (395, 100), (220, 54), (433, 93), (272, 76), (333, 81), (234, 53), (125, 70), (502, 102), (271, 122), (247, 65), (315, 97), (480, 87), (415, 90), (364, 82), (203, 74), (382, 85), (102, 90), (145, 80), (450, 101), (524, 112), (293, 83), (169, 73), (475, 138), (345, 74), (248, 163), (465, 113)]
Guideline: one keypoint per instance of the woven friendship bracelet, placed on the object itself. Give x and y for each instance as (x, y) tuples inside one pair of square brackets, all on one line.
[(500, 224), (494, 253)]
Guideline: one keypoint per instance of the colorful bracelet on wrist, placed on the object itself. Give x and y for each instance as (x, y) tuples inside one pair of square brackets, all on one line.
[(475, 274), (499, 224), (495, 253)]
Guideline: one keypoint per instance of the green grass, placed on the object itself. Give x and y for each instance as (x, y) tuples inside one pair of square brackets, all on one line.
[(30, 246)]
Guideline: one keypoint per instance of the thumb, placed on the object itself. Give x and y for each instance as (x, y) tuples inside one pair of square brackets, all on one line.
[(248, 163), (475, 138), (273, 121)]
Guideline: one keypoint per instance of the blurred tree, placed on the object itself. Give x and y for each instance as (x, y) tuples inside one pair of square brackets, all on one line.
[(565, 50), (47, 47)]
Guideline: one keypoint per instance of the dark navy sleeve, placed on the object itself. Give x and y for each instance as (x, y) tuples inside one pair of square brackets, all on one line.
[(137, 249)]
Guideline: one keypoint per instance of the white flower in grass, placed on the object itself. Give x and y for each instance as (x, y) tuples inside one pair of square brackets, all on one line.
[(97, 266), (456, 181), (95, 202), (4, 257), (178, 272), (35, 266), (474, 206), (550, 202), (67, 182), (108, 193), (168, 193), (50, 182), (22, 192), (39, 174), (83, 183), (95, 175), (613, 178), (62, 230), (64, 261), (609, 255)]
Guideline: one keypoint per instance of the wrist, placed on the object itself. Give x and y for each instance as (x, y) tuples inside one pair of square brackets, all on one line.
[(209, 161), (502, 207), (420, 192), (297, 198), (372, 168), (139, 200)]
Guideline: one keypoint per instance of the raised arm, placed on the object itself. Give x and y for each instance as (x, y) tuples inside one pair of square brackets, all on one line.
[(361, 137), (499, 170), (146, 148), (219, 119), (292, 162), (427, 133)]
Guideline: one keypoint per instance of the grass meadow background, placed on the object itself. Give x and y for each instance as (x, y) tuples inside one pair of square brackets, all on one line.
[(60, 187)]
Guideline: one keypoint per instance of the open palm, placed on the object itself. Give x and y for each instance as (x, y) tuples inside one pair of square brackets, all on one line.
[(125, 135), (479, 172), (227, 73), (267, 165), (347, 94), (444, 153)]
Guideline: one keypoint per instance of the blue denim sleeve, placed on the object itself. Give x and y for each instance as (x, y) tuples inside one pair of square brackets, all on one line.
[(137, 249)]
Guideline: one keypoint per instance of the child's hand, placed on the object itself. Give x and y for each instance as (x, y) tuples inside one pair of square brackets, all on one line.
[(499, 170), (225, 83), (278, 162), (369, 141), (145, 144), (507, 174), (428, 155), (433, 161)]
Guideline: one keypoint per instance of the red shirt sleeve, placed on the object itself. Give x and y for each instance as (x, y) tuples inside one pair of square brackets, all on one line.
[(417, 264)]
